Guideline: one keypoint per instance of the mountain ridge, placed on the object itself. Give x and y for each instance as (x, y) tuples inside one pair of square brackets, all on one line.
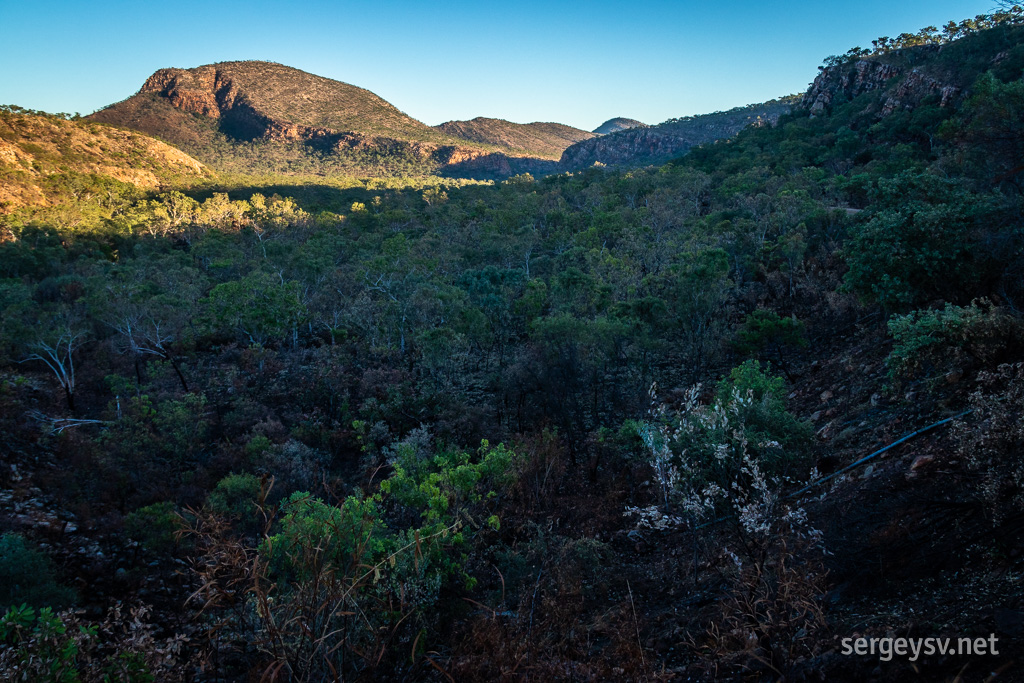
[(672, 138), (546, 140), (256, 116)]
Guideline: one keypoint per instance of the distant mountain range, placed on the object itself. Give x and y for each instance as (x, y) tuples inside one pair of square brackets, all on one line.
[(543, 140), (261, 117), (639, 144)]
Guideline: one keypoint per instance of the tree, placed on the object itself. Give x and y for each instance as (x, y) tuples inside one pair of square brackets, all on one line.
[(261, 307), (923, 242), (767, 334), (57, 338), (990, 130), (151, 305)]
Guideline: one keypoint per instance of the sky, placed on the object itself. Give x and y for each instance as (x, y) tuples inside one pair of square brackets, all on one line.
[(578, 63)]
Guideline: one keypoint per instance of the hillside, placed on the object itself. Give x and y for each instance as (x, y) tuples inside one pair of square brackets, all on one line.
[(638, 146), (706, 420), (261, 117), (544, 140), (617, 124), (45, 160), (252, 100)]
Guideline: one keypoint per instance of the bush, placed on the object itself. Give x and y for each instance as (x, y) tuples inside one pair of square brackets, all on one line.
[(27, 576), (63, 648), (154, 526), (758, 398), (768, 335), (991, 440), (384, 557), (930, 344), (236, 497), (40, 646), (704, 454)]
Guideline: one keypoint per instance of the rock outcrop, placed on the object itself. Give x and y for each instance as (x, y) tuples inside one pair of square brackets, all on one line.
[(844, 82), (903, 88), (653, 144), (622, 148)]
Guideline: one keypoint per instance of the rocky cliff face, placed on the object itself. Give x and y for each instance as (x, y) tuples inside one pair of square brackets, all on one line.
[(903, 89), (204, 91), (652, 144), (634, 145), (213, 92)]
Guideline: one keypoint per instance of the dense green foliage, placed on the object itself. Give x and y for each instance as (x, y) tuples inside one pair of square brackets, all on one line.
[(27, 576), (306, 380)]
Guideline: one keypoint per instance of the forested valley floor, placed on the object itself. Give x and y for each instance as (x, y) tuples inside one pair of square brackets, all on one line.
[(575, 427)]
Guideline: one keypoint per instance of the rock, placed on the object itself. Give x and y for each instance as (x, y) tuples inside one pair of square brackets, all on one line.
[(843, 82), (876, 399), (816, 416), (921, 461), (868, 471), (826, 395)]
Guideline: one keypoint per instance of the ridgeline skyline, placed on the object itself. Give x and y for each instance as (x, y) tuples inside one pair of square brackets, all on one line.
[(574, 63)]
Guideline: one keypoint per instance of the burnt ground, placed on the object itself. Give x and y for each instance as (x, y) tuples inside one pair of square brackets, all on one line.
[(912, 552)]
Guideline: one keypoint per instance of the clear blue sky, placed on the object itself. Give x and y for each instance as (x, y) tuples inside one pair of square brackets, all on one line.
[(578, 63)]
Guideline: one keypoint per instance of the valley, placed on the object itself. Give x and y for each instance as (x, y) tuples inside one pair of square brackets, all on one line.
[(296, 387)]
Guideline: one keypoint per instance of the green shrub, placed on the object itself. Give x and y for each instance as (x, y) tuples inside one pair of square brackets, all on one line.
[(767, 334), (27, 576), (745, 436), (41, 646), (452, 479), (236, 497), (154, 526), (257, 447), (59, 648), (932, 343), (922, 242), (758, 399)]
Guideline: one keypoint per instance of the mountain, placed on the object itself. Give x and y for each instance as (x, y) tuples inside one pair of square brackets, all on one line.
[(544, 140), (617, 124), (262, 117), (255, 117), (673, 138), (47, 159)]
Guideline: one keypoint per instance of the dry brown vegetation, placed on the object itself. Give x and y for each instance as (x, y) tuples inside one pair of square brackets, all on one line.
[(36, 148)]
